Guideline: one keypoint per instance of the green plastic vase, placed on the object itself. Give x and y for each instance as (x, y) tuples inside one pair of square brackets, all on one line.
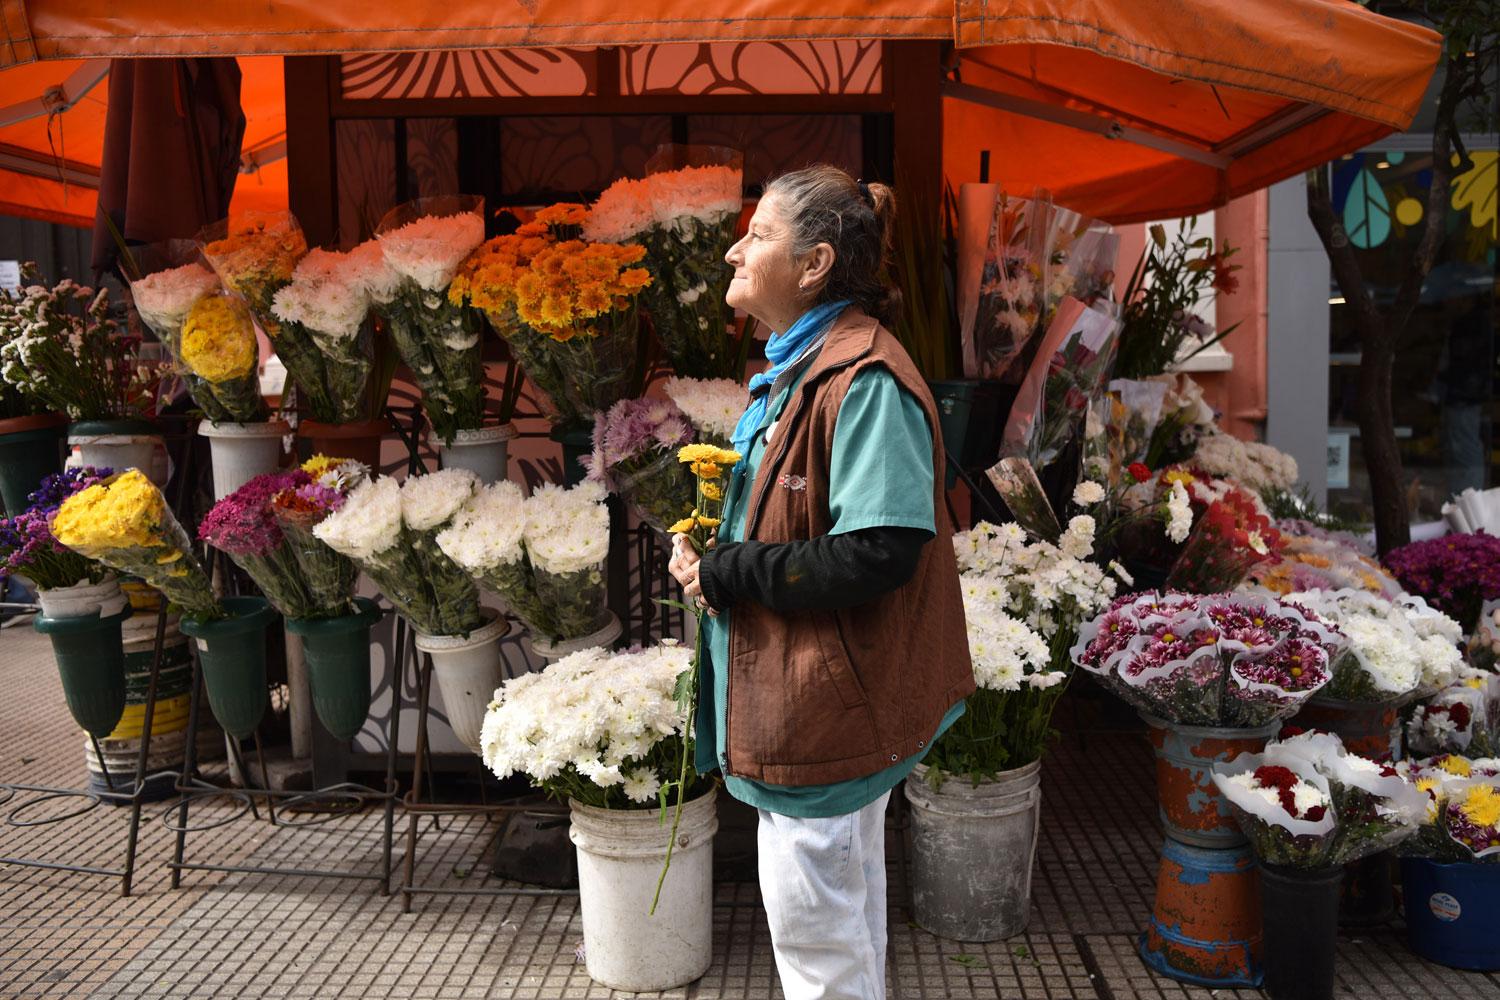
[(90, 656), (30, 451), (232, 653), (337, 651)]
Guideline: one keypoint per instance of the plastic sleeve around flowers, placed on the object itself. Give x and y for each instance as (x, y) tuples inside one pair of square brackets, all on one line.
[(328, 576), (516, 585), (275, 573), (169, 566), (575, 601), (455, 596), (1277, 837), (439, 341), (660, 490)]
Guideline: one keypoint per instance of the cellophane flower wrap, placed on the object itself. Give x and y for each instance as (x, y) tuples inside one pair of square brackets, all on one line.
[(1457, 574), (255, 255), (162, 299), (1012, 296), (1070, 370), (685, 219), (1393, 648), (712, 406), (567, 541), (27, 547), (1230, 660), (219, 359), (124, 522), (1463, 717), (61, 350), (1308, 803), (1023, 604), (390, 531), (1254, 464), (1462, 821), (600, 728), (425, 242), (635, 456), (326, 304), (244, 526), (581, 297), (328, 575)]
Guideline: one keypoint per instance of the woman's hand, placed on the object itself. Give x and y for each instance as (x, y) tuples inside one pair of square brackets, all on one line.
[(684, 566)]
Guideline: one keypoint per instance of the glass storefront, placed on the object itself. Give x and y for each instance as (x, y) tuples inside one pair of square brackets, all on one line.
[(1444, 387)]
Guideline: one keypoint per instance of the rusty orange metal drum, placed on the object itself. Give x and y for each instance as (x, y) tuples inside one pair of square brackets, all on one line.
[(1190, 806), (1206, 926)]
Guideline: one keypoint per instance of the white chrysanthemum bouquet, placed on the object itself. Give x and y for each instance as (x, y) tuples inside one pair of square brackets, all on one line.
[(713, 406), (391, 531), (601, 728), (1023, 603), (543, 554), (1394, 649), (685, 218), (424, 242), (327, 303)]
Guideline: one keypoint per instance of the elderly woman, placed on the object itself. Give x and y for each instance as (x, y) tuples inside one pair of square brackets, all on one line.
[(837, 648)]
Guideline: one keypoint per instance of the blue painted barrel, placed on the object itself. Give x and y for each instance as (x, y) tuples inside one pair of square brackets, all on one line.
[(1452, 912)]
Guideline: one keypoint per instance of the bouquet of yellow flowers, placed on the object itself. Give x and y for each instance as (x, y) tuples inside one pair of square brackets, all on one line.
[(255, 255), (124, 522), (566, 306), (218, 354)]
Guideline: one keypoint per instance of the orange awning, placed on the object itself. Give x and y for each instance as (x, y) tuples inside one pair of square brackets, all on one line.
[(1125, 109)]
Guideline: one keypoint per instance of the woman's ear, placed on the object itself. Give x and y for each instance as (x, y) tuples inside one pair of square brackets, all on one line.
[(816, 267)]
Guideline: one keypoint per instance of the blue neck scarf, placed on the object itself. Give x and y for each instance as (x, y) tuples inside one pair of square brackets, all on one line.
[(782, 351)]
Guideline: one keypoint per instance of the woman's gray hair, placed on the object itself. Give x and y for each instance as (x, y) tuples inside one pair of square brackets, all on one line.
[(823, 204)]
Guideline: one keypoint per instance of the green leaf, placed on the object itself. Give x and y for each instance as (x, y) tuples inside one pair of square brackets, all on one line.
[(969, 961), (682, 691), (667, 602), (1367, 214)]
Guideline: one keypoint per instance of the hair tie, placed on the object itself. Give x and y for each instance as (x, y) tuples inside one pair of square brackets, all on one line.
[(864, 192)]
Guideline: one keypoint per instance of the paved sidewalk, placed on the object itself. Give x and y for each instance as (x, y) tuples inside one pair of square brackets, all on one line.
[(252, 936)]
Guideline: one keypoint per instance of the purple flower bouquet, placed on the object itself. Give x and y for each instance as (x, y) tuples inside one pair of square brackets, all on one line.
[(1456, 573), (29, 550)]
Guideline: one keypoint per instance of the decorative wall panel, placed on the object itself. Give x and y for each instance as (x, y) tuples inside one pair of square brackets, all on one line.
[(481, 73), (820, 66), (545, 157)]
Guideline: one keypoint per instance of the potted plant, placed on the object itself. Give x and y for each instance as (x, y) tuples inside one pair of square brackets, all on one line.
[(30, 445), (606, 732), (1213, 676), (976, 797), (266, 528), (390, 532), (1450, 877), (544, 555), (62, 350), (1309, 808)]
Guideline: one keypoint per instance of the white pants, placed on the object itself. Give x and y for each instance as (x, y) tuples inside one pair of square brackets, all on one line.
[(823, 882)]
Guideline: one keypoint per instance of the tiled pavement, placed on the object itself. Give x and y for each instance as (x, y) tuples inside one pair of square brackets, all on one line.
[(64, 935)]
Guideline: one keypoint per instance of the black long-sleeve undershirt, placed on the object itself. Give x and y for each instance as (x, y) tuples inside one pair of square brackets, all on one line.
[(819, 574)]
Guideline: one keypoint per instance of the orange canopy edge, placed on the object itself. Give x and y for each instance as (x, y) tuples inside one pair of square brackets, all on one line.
[(1124, 110)]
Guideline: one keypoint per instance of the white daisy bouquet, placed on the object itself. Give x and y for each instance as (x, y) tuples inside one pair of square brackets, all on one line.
[(1307, 803), (1393, 648), (1462, 718), (685, 218), (326, 304), (543, 555), (600, 728), (424, 242), (1023, 603), (712, 405), (390, 530)]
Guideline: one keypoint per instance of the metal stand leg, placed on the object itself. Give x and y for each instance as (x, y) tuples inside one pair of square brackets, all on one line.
[(424, 678)]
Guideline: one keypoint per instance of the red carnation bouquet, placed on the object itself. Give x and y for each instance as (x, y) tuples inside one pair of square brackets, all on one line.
[(1306, 802)]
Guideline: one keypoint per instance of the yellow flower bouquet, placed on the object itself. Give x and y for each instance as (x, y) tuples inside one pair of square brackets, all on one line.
[(254, 255), (219, 357), (567, 307), (124, 522)]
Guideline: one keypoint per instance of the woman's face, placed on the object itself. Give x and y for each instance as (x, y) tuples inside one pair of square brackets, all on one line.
[(770, 283)]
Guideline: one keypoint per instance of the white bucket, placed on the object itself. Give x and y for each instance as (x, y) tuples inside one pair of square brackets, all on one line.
[(484, 451), (240, 452), (973, 850), (620, 854), (83, 599), (120, 452), (554, 651), (468, 670)]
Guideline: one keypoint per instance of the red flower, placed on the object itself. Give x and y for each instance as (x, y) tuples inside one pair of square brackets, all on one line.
[(1459, 713), (1314, 813), (1139, 471)]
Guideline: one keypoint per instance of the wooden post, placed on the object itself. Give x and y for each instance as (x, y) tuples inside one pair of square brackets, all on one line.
[(916, 80), (311, 193)]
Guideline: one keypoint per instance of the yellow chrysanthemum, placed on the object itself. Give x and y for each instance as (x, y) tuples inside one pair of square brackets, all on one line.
[(218, 340), (712, 491), (1179, 476), (706, 470), (1481, 806), (124, 513), (1455, 764), (1477, 683), (708, 522), (697, 453), (685, 525), (319, 465)]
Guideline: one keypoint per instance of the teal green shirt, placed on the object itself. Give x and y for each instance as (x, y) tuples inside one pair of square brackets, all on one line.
[(881, 475)]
